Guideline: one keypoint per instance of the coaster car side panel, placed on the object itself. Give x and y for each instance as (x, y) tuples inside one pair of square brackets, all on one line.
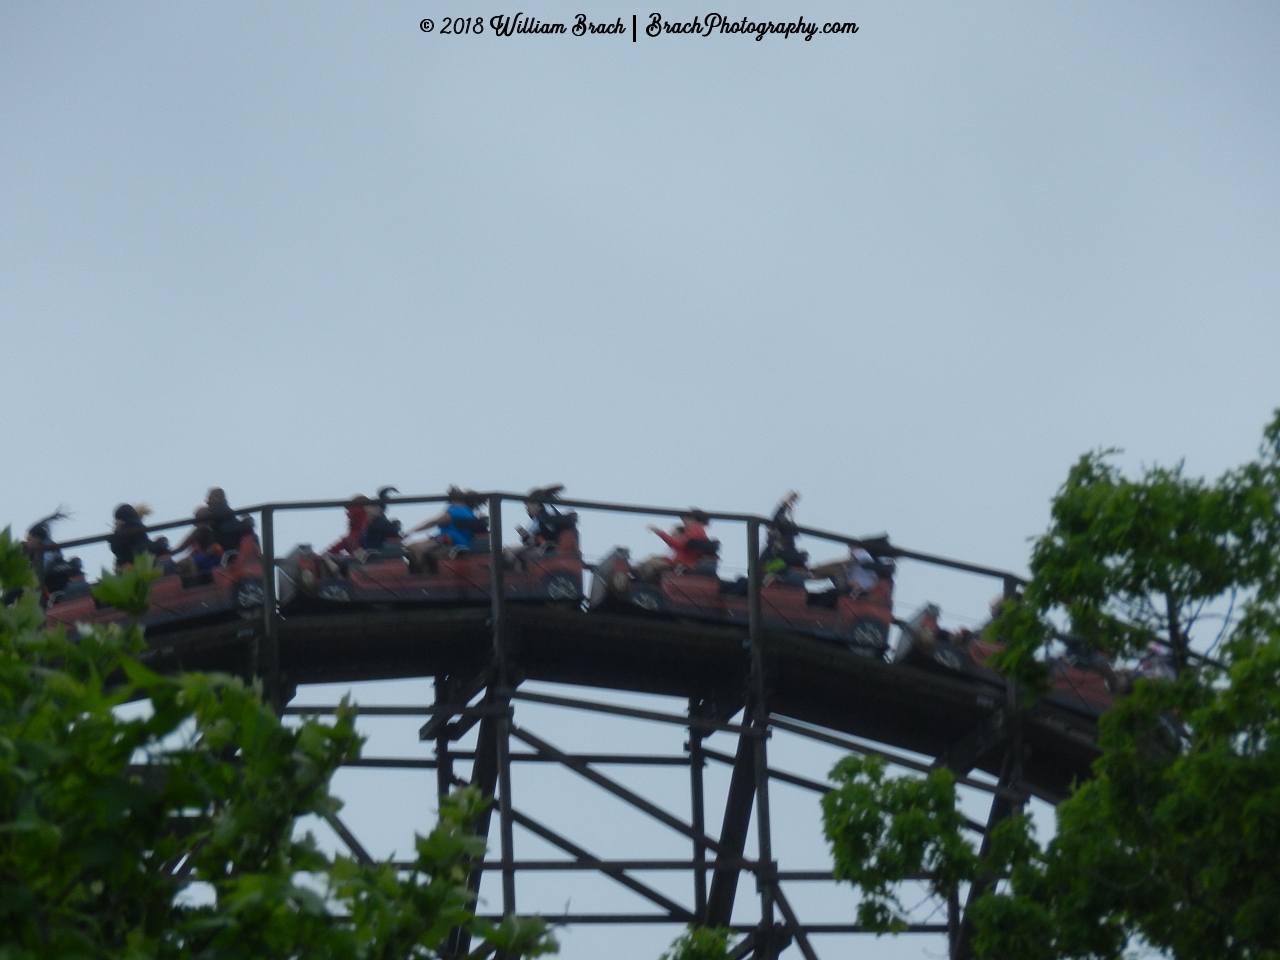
[(553, 572), (233, 587), (861, 623), (922, 643)]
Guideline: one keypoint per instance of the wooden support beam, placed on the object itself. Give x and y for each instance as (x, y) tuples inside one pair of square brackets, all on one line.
[(733, 834), (444, 686), (697, 809), (793, 924), (847, 743), (446, 710), (349, 838), (701, 723), (484, 777), (963, 755), (592, 863), (618, 759), (744, 947), (1003, 805), (465, 694), (617, 789), (678, 913)]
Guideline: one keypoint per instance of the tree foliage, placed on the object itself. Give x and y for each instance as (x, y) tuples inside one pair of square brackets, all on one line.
[(197, 854), (701, 943), (1175, 840), (1128, 562), (884, 831)]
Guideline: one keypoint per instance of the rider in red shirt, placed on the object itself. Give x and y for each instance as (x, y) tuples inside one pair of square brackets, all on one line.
[(688, 540), (357, 520), (689, 530)]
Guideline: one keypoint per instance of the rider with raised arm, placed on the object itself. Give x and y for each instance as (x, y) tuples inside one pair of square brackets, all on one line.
[(206, 553), (458, 524), (780, 553), (52, 570), (688, 540)]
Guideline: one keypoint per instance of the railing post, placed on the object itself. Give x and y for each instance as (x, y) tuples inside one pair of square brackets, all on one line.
[(503, 720), (270, 660), (496, 588), (760, 723)]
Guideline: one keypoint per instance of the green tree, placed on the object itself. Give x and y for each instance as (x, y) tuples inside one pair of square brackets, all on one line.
[(1175, 840), (174, 834), (886, 830), (701, 943), (1128, 562)]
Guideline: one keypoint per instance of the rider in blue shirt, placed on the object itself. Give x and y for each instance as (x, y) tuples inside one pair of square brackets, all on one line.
[(457, 530), (458, 524)]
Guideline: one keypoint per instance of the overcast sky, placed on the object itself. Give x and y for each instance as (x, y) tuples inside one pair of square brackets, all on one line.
[(303, 250)]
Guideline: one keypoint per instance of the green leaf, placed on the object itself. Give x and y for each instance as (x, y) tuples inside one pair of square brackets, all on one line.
[(701, 943), (15, 568), (129, 590)]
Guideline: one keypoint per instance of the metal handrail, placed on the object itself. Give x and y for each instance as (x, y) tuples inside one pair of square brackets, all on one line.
[(605, 506)]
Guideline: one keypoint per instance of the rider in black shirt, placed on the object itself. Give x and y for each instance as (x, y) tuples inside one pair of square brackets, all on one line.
[(380, 527), (228, 528), (780, 552), (130, 537)]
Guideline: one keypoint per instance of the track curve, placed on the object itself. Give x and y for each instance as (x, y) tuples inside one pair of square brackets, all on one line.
[(742, 678), (810, 681)]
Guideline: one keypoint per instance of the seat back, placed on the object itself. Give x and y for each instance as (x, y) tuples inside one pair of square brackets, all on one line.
[(708, 548)]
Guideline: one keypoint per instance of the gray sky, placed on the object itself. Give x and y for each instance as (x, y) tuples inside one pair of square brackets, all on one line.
[(302, 250)]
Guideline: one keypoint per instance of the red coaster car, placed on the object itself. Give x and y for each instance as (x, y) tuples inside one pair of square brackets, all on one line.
[(860, 622), (1082, 682), (551, 571), (235, 586)]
